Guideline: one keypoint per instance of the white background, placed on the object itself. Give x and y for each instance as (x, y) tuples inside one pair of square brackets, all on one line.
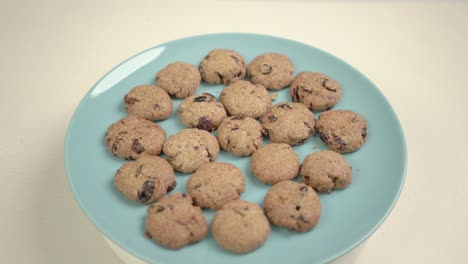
[(52, 52)]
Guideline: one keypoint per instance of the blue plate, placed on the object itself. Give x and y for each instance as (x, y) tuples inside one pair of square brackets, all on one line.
[(348, 216)]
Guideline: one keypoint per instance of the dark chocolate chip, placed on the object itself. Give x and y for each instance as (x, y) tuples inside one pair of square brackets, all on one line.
[(302, 219), (235, 128), (138, 170), (298, 207), (172, 186), (285, 106), (238, 117), (197, 186), (266, 69), (201, 98), (326, 85), (220, 76), (237, 60), (340, 142), (304, 188), (295, 94), (272, 118), (156, 107), (238, 74), (137, 147), (205, 124), (364, 132), (207, 57), (146, 192), (325, 138), (307, 178), (265, 132), (184, 195), (196, 147), (130, 100), (160, 209), (246, 208), (310, 128)]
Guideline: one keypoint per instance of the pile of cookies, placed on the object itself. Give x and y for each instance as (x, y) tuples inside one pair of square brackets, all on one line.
[(242, 116)]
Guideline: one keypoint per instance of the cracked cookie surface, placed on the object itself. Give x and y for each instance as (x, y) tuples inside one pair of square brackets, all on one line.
[(240, 135), (174, 222), (292, 205), (190, 148), (290, 123), (342, 131), (202, 111), (272, 70), (274, 162), (145, 180), (133, 137), (179, 79), (148, 102), (326, 170), (240, 227), (222, 66), (215, 184)]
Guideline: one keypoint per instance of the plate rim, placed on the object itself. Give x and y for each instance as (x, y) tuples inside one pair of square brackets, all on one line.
[(241, 34)]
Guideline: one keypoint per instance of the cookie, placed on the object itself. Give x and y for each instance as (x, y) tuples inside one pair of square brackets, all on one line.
[(179, 79), (292, 205), (290, 123), (222, 66), (202, 111), (240, 135), (326, 170), (315, 90), (148, 102), (342, 130), (145, 180), (274, 162), (240, 227), (190, 148), (133, 137), (215, 184), (174, 222), (272, 70), (247, 99)]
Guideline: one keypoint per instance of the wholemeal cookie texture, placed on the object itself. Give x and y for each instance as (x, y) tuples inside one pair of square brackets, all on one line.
[(133, 137), (148, 102), (272, 70), (274, 162), (179, 79), (174, 222), (222, 66), (202, 111), (240, 135)]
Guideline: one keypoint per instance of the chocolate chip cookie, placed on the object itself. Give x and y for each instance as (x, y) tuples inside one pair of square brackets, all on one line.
[(222, 66), (145, 180), (290, 123), (292, 205), (326, 170), (215, 184), (149, 102), (315, 90), (174, 222), (179, 79), (274, 162), (247, 99), (202, 111), (132, 137), (272, 70), (190, 148), (342, 130), (240, 227), (240, 135)]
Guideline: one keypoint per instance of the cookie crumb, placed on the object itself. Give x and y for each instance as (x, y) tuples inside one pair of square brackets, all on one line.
[(273, 96), (314, 147)]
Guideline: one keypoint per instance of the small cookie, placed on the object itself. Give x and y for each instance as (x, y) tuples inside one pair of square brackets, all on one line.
[(240, 227), (132, 137), (202, 111), (179, 79), (174, 222), (240, 135), (190, 148), (290, 123), (145, 180), (149, 102), (342, 131), (247, 99), (315, 90), (326, 170), (222, 66), (215, 184), (275, 162), (292, 205), (272, 70)]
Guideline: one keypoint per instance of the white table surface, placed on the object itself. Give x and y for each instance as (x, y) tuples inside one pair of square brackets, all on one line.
[(52, 52)]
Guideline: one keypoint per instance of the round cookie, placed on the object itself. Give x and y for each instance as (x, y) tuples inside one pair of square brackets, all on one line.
[(240, 135), (190, 148), (145, 180), (215, 184), (290, 123), (272, 70), (222, 66), (179, 79), (326, 170), (132, 137), (342, 131), (174, 222), (292, 205), (247, 99), (149, 102), (240, 227), (274, 162), (315, 90), (202, 111)]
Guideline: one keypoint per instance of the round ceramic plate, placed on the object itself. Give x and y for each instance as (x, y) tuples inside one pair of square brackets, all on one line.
[(348, 216)]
